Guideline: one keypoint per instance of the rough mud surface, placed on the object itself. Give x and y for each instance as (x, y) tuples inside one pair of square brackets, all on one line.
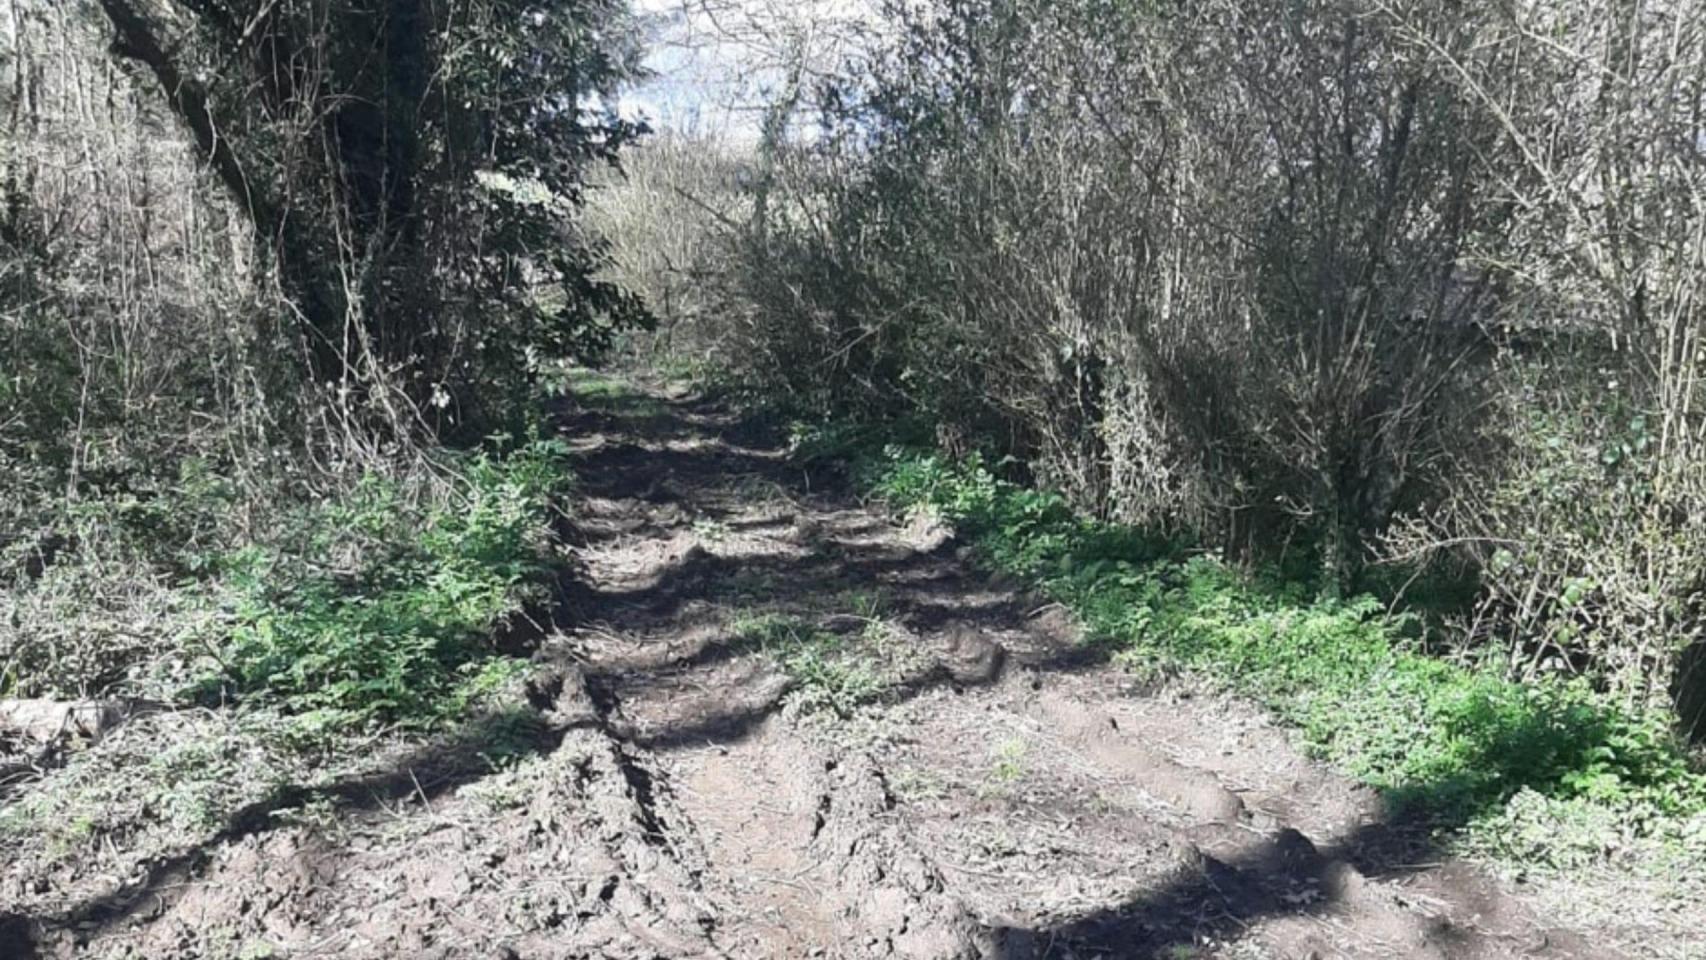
[(998, 792)]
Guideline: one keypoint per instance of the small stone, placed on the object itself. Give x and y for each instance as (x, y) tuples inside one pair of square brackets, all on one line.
[(969, 657)]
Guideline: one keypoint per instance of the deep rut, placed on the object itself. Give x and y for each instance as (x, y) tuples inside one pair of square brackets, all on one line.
[(1007, 796), (994, 793)]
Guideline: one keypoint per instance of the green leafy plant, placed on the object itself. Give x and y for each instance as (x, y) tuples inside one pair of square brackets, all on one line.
[(1009, 761), (1455, 742), (397, 624), (829, 675)]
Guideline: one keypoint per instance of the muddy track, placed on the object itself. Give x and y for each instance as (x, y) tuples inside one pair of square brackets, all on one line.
[(1000, 794)]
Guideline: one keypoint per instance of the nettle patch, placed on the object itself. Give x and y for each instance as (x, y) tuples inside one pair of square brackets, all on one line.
[(381, 608)]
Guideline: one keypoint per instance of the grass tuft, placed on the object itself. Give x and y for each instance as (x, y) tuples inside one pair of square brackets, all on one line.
[(827, 674)]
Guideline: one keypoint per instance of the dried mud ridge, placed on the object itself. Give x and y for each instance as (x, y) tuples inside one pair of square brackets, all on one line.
[(1007, 795)]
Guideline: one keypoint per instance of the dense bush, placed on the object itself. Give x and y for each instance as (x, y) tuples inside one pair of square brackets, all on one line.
[(259, 263), (409, 174), (1395, 295), (1178, 297), (1584, 533)]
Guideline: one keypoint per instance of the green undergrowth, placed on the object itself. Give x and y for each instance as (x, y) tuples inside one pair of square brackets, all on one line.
[(1460, 745), (827, 675), (610, 393), (383, 607), (346, 639), (371, 599)]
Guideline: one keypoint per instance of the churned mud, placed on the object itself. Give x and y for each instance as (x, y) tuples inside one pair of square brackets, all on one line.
[(955, 777)]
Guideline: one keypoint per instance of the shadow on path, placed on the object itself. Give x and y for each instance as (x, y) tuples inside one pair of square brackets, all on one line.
[(1209, 900), (432, 770)]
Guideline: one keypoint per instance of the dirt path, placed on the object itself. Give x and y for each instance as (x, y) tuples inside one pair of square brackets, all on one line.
[(780, 724)]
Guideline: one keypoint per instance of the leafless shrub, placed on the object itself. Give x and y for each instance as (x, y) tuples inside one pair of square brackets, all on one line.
[(1589, 531), (1349, 280), (668, 215)]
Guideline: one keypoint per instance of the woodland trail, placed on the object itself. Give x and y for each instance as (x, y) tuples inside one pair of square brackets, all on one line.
[(781, 723)]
